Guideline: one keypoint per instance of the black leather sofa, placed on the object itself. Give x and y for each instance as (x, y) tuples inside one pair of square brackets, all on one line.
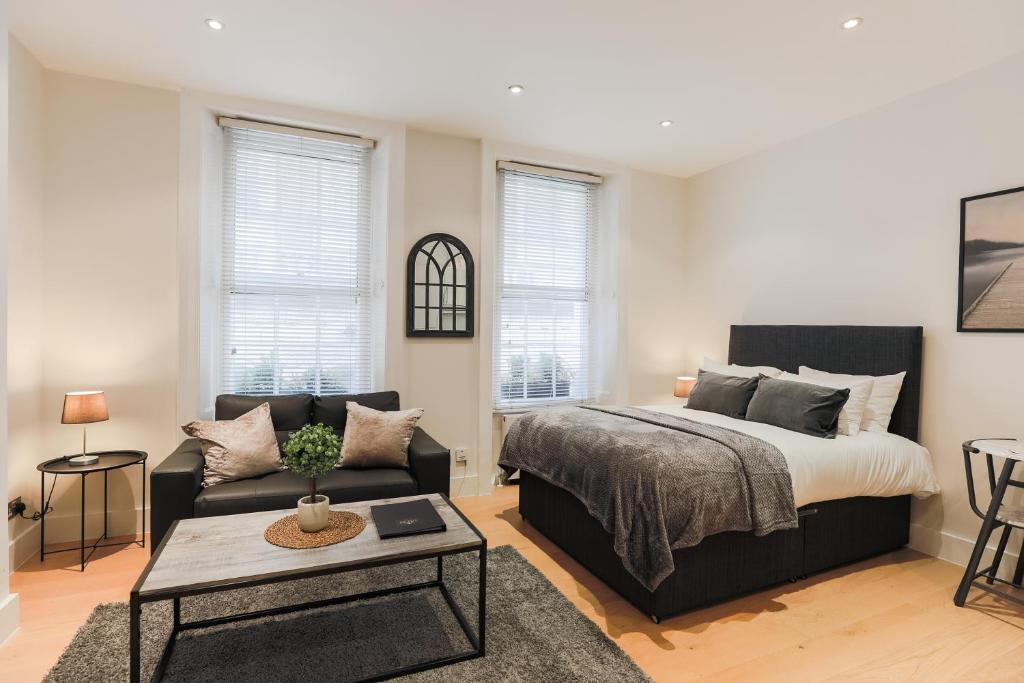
[(176, 483)]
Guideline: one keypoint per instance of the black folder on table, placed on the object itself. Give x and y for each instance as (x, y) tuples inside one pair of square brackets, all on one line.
[(406, 519)]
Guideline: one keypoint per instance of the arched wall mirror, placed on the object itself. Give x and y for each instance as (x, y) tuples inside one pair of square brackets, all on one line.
[(439, 288)]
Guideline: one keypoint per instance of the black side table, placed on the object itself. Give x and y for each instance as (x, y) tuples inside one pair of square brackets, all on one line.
[(996, 515), (108, 460)]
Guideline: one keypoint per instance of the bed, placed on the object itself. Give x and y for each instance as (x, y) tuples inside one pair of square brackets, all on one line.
[(829, 533)]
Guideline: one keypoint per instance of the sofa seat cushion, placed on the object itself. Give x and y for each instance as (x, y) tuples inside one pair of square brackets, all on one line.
[(282, 490)]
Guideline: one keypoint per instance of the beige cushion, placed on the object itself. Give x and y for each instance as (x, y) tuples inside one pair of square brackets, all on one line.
[(375, 438), (237, 449)]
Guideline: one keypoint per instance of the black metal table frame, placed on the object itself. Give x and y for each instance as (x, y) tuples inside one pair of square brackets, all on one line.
[(989, 524), (477, 640), (83, 558)]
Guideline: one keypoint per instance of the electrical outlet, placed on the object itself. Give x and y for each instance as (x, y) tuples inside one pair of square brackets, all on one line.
[(14, 507), (460, 455)]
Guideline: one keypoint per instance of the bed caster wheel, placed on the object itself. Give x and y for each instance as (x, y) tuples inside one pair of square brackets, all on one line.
[(655, 619)]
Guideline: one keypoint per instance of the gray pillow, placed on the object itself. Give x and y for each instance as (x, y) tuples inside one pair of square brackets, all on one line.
[(723, 394), (797, 406)]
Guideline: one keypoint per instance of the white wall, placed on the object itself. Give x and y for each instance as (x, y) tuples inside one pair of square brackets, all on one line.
[(656, 338), (859, 224), (25, 281), (856, 223), (8, 602), (117, 226), (442, 194), (98, 307)]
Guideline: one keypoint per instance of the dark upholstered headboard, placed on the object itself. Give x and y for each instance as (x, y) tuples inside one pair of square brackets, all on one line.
[(849, 349)]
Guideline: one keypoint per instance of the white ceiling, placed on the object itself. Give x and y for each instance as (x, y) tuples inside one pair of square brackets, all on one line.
[(735, 75)]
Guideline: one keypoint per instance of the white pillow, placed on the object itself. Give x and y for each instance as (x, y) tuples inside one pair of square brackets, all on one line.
[(885, 391), (852, 413), (739, 370)]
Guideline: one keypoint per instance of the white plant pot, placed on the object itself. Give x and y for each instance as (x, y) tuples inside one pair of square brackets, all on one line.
[(313, 516)]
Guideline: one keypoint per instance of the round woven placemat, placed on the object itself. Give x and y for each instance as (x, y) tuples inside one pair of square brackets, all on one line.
[(341, 526)]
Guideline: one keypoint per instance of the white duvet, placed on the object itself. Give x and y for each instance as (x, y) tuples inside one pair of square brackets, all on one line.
[(869, 464)]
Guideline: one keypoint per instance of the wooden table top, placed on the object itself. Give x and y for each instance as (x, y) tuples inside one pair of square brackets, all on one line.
[(230, 551)]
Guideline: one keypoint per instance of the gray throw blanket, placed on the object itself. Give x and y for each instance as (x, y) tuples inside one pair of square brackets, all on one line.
[(655, 482)]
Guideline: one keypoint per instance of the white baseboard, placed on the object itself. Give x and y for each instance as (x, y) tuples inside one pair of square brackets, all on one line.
[(463, 486), (23, 546), (956, 549), (66, 529), (9, 609)]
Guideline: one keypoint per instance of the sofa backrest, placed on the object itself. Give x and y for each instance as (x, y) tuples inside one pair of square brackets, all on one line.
[(331, 409), (289, 412)]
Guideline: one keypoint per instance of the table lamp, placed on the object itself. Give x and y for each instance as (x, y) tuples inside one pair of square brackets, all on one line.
[(684, 385), (81, 408)]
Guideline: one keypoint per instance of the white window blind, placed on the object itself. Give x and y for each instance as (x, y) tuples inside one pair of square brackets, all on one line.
[(295, 285), (547, 228)]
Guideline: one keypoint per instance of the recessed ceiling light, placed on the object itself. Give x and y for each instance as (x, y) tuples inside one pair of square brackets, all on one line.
[(215, 24), (665, 124), (852, 22), (515, 89)]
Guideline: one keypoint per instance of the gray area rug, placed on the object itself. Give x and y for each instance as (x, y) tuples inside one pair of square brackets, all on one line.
[(533, 632)]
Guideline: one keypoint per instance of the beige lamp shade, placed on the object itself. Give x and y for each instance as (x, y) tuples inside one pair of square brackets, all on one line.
[(81, 407), (684, 385)]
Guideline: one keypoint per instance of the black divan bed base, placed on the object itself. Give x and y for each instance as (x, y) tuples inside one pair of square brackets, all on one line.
[(723, 566), (830, 534)]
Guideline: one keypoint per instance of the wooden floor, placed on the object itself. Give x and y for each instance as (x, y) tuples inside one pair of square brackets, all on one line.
[(887, 619)]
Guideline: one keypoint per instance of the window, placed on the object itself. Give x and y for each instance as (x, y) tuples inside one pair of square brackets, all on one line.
[(547, 227), (296, 259)]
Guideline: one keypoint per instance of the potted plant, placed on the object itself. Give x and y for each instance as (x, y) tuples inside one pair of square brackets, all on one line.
[(312, 452)]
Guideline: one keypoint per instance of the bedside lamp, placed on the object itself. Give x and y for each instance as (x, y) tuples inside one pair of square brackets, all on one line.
[(81, 408), (684, 385)]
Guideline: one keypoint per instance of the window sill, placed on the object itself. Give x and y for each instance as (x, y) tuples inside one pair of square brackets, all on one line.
[(520, 409)]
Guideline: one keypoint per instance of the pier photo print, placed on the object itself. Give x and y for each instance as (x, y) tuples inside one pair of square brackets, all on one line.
[(991, 295)]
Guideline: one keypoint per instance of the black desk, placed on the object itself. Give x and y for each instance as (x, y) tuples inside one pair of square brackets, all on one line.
[(108, 460)]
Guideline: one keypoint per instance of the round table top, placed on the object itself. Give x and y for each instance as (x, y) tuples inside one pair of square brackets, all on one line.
[(1001, 448), (108, 460)]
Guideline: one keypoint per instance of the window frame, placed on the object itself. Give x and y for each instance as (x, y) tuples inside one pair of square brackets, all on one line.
[(552, 294), (215, 289)]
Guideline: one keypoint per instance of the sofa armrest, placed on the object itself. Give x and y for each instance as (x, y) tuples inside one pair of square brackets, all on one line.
[(429, 463), (174, 484)]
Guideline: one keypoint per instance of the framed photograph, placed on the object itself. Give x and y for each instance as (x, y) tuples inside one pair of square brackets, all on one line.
[(991, 293)]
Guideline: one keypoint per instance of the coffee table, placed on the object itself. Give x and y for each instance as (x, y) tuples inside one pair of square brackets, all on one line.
[(212, 554)]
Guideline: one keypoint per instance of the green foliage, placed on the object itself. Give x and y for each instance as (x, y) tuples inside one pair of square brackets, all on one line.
[(262, 378), (312, 451), (537, 369), (542, 376)]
